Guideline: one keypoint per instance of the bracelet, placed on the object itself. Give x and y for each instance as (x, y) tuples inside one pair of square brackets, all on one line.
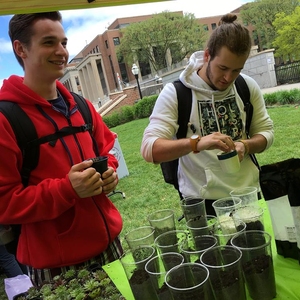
[(245, 145)]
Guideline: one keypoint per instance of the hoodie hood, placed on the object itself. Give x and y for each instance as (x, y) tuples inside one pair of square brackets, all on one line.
[(190, 78), (14, 90)]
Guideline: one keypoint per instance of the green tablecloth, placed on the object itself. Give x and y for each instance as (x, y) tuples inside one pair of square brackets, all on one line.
[(287, 271)]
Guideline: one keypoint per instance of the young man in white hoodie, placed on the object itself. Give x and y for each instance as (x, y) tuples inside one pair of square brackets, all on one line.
[(218, 117)]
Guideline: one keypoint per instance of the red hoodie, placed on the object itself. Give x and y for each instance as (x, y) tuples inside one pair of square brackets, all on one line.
[(58, 228)]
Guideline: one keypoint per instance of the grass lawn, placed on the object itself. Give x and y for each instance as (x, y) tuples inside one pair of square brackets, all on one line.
[(145, 188)]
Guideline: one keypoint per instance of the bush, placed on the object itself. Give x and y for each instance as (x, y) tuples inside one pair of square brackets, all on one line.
[(126, 114), (283, 97), (142, 109), (271, 99), (296, 94), (112, 120)]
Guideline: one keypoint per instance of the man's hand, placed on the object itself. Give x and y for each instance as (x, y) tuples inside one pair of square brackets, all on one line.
[(110, 180), (85, 180), (216, 140), (240, 148)]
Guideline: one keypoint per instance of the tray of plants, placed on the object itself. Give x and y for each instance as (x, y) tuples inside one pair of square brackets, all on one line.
[(76, 284)]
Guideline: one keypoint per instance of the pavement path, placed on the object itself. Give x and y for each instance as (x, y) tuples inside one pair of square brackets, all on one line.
[(281, 88)]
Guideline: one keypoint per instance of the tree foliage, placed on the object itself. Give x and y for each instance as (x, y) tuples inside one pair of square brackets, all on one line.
[(164, 39), (262, 13), (287, 41)]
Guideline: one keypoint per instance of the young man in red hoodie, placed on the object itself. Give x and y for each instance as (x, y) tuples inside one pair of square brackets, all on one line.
[(65, 215)]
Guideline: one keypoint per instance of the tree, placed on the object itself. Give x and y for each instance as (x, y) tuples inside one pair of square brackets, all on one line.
[(262, 13), (164, 39), (287, 43)]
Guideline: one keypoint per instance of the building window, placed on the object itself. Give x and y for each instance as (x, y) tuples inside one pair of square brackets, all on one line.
[(205, 27), (213, 26), (106, 44), (97, 49), (116, 41)]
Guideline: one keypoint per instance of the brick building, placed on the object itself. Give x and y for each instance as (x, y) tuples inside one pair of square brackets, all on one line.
[(97, 74)]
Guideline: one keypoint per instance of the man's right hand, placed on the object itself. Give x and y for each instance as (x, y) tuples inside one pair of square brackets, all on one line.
[(85, 180), (216, 140)]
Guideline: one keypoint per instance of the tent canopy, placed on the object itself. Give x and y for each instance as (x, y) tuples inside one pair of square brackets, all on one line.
[(9, 7)]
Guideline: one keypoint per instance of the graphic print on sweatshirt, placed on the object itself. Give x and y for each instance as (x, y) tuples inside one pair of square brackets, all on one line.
[(220, 115)]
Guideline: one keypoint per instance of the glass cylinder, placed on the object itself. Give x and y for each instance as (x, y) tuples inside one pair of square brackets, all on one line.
[(189, 281), (253, 216), (225, 272), (140, 236), (193, 207), (224, 207), (162, 220), (133, 262), (156, 269), (193, 247), (196, 228), (248, 195), (170, 241), (257, 263)]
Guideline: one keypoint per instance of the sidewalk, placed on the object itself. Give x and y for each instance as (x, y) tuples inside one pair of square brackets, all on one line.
[(281, 88)]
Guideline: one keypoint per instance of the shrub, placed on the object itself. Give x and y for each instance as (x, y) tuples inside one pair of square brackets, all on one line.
[(285, 97), (144, 107), (126, 114), (271, 99), (112, 120), (294, 96)]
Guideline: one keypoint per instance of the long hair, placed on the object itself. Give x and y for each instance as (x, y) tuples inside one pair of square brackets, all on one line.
[(230, 34)]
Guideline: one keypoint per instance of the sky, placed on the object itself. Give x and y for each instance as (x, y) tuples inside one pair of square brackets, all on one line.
[(83, 25)]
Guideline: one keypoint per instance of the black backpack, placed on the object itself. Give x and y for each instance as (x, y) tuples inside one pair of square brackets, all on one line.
[(26, 134), (184, 98)]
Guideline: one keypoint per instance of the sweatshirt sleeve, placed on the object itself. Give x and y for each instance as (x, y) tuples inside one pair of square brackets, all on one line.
[(163, 121), (261, 122)]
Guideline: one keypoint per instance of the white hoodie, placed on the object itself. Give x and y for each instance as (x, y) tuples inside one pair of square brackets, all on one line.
[(200, 174)]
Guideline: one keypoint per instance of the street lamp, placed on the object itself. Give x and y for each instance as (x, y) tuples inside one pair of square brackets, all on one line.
[(135, 72)]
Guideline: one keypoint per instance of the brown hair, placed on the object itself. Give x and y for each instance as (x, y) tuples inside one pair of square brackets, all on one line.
[(21, 27), (230, 34)]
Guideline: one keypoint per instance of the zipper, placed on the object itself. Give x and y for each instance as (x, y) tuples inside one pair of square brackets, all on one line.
[(101, 213)]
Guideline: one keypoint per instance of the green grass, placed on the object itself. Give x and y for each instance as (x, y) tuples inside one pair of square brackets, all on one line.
[(286, 143), (145, 188)]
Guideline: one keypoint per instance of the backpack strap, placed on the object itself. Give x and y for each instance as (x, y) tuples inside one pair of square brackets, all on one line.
[(87, 116), (184, 99), (84, 110), (243, 90), (24, 131)]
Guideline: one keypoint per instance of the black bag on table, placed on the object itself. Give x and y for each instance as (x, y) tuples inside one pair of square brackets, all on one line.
[(280, 185)]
